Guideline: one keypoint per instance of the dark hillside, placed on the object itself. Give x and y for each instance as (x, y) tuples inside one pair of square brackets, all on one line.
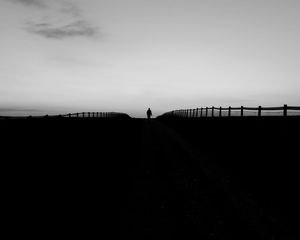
[(66, 177), (261, 154), (138, 179)]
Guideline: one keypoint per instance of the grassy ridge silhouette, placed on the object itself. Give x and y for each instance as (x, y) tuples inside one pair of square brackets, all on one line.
[(80, 169)]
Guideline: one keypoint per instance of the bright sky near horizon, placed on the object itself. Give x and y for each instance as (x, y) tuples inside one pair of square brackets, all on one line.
[(64, 56)]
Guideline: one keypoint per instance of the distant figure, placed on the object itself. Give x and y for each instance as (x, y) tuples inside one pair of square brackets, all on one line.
[(149, 113)]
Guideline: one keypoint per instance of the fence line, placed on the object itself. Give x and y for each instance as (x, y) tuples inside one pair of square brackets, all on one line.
[(218, 111), (76, 115)]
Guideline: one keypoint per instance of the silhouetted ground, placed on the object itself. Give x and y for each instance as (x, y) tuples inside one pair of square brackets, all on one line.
[(135, 179), (260, 155), (63, 177)]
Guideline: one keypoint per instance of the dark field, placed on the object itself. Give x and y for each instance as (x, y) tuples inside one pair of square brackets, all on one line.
[(132, 179), (66, 177), (260, 154)]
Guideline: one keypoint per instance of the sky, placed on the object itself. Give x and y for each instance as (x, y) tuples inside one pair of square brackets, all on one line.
[(63, 56)]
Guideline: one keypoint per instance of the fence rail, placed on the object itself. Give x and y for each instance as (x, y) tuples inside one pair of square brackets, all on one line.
[(228, 111), (75, 115)]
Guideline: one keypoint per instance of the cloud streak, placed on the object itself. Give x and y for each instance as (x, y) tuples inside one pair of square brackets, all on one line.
[(71, 24), (78, 28), (17, 110), (35, 3), (71, 9)]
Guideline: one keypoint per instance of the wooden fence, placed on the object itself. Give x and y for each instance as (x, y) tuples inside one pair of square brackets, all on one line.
[(76, 115), (94, 115), (219, 111)]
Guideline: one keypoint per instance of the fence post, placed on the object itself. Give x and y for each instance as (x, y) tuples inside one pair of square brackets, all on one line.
[(206, 112), (229, 111), (242, 111), (220, 112), (69, 115), (212, 111), (194, 113), (201, 113), (77, 115), (259, 111), (285, 108), (197, 112), (83, 115)]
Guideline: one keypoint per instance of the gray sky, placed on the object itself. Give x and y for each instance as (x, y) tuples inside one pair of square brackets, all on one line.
[(128, 55)]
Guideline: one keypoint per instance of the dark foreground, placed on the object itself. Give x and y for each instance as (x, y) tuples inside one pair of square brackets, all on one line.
[(163, 179)]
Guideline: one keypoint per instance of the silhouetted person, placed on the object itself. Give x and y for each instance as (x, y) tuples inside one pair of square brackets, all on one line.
[(149, 113)]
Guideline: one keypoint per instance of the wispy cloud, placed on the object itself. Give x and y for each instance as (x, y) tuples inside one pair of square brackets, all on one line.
[(59, 20), (78, 28), (8, 110), (71, 9), (35, 3)]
